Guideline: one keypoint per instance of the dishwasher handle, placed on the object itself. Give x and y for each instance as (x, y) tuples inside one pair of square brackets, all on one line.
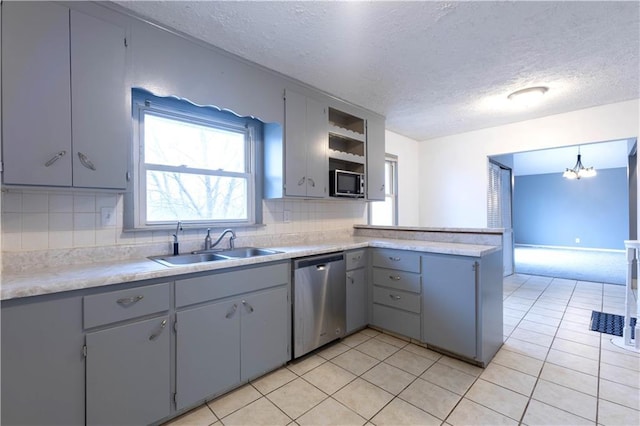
[(318, 261)]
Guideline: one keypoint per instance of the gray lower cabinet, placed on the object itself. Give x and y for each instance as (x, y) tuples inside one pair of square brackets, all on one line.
[(128, 373), (449, 295), (356, 300), (462, 304), (43, 369), (207, 351), (237, 329)]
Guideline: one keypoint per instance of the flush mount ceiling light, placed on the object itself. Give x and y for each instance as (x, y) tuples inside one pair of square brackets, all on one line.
[(579, 171), (528, 96)]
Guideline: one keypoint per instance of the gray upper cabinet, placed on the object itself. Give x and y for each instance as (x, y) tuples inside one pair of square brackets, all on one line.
[(36, 113), (65, 119), (375, 160), (100, 125), (128, 373), (305, 145)]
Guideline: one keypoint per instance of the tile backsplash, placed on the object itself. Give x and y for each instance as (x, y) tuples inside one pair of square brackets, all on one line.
[(35, 220)]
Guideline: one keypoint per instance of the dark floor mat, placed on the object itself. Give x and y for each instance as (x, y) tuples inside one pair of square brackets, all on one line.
[(610, 323)]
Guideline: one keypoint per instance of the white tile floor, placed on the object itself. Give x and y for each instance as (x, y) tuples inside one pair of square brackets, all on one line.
[(552, 370)]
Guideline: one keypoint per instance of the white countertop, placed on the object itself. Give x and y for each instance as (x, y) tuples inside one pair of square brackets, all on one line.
[(54, 280)]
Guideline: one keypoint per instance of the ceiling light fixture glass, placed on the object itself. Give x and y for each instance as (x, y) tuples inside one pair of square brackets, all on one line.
[(528, 96), (579, 171)]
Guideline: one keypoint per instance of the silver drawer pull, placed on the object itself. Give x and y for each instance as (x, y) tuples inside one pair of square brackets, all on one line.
[(395, 259), (84, 160), (351, 279), (301, 181), (126, 301), (247, 306), (394, 296), (312, 182), (154, 336), (232, 311), (396, 278), (55, 158), (355, 258)]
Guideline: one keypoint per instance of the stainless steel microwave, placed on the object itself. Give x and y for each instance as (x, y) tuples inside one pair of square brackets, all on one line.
[(343, 183)]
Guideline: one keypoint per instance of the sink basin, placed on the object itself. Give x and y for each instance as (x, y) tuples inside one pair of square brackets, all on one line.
[(243, 252), (187, 259), (190, 259)]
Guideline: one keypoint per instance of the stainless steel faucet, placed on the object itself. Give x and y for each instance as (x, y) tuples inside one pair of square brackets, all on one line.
[(225, 232)]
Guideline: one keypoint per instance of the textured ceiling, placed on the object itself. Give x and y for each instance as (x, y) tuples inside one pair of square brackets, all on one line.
[(432, 68)]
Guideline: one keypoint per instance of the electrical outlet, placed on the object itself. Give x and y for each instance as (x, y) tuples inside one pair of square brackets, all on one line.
[(108, 215), (577, 240), (286, 216)]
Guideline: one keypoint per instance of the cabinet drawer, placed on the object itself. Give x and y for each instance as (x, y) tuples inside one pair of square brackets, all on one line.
[(396, 279), (397, 299), (401, 322), (231, 283), (121, 305), (355, 259), (401, 260)]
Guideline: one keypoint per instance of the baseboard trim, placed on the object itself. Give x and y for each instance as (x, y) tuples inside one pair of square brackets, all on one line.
[(569, 248)]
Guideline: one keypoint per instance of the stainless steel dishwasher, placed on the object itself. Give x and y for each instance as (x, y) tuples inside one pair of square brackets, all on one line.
[(319, 301)]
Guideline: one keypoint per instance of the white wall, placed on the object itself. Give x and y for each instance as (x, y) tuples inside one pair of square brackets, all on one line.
[(407, 151), (453, 169)]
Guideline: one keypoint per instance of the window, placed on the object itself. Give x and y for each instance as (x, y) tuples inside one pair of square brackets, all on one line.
[(386, 213), (193, 164)]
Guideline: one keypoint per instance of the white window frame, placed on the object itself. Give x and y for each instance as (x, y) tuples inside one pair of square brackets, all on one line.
[(393, 188), (184, 111)]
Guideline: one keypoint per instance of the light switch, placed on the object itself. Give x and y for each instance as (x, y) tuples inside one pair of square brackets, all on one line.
[(108, 215)]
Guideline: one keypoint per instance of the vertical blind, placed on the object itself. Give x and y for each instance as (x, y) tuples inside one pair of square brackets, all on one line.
[(499, 197)]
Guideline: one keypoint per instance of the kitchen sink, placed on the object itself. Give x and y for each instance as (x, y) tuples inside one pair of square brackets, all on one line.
[(190, 259), (244, 252), (187, 259)]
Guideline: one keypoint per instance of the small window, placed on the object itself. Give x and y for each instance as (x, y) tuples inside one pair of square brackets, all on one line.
[(193, 164), (386, 213)]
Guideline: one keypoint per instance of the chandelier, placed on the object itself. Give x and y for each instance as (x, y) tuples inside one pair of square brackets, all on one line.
[(579, 171)]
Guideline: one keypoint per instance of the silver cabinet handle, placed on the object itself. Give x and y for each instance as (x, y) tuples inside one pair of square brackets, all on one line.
[(84, 160), (312, 182), (395, 259), (382, 187), (394, 296), (396, 278), (55, 158), (232, 311), (301, 181), (351, 279), (355, 258), (154, 336), (247, 306), (126, 301)]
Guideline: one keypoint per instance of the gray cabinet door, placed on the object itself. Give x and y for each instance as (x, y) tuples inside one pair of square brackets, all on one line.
[(128, 373), (375, 160), (36, 97), (449, 303), (295, 146), (100, 126), (207, 351), (318, 140), (264, 332), (356, 300), (306, 138), (43, 370)]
